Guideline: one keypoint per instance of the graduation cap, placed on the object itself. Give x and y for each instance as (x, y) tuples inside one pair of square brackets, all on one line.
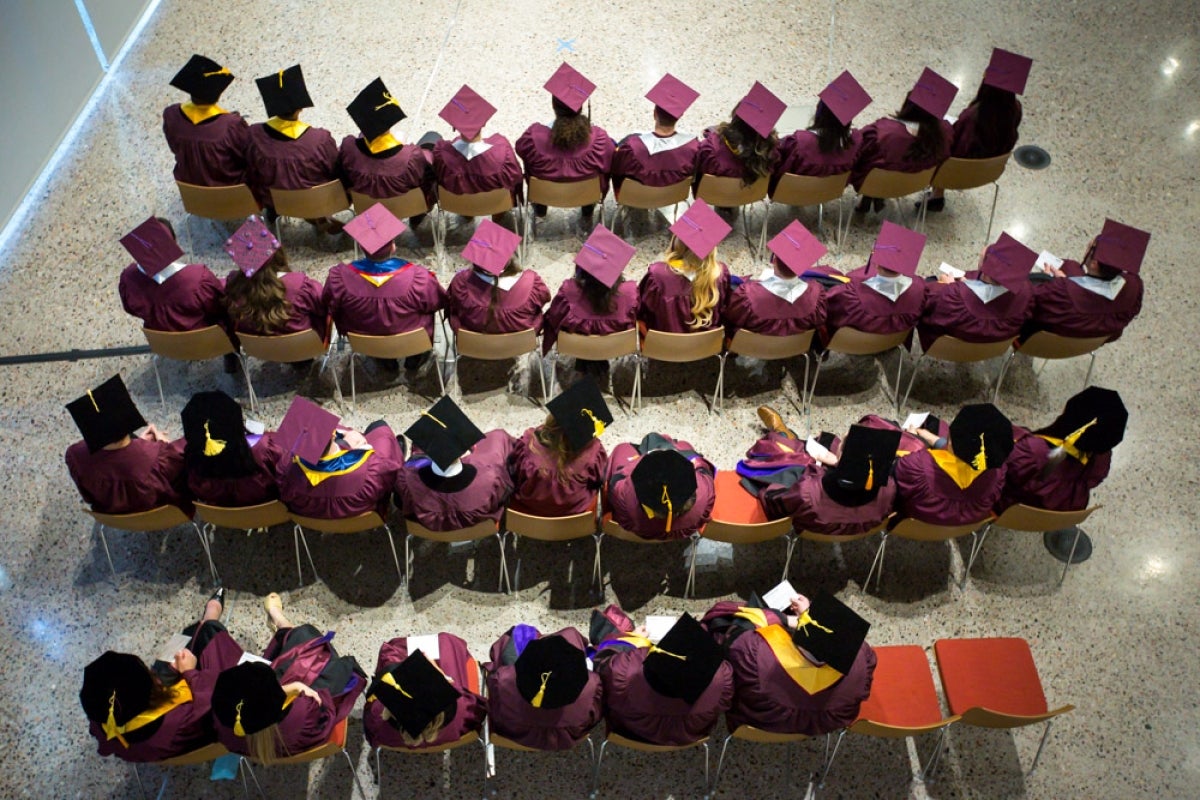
[(251, 245), (1008, 262), (306, 430), (581, 413), (796, 248), (551, 672), (248, 698), (491, 247), (981, 436), (683, 663), (664, 482), (116, 688), (831, 632), (202, 78), (898, 249), (933, 93), (374, 110), (415, 691), (214, 428), (604, 255), (375, 228), (865, 460), (1007, 71), (760, 109), (845, 97), (672, 95), (152, 246), (569, 87), (444, 432), (1121, 247), (1092, 421), (284, 92), (106, 414), (700, 228), (467, 112)]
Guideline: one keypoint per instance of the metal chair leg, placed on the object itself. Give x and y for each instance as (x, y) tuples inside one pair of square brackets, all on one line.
[(1071, 555), (830, 757), (395, 558), (992, 216), (298, 536), (706, 754), (137, 776), (541, 367), (408, 562), (245, 361), (108, 555), (162, 398), (378, 769), (712, 789), (354, 774), (926, 773), (689, 589), (911, 380), (353, 385), (719, 391), (1003, 371), (793, 539), (597, 568), (212, 568), (877, 561), (504, 583), (977, 540), (596, 771), (1041, 745), (1091, 365)]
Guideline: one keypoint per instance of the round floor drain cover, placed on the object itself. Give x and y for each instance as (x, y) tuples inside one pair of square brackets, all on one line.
[(1031, 156), (1059, 544)]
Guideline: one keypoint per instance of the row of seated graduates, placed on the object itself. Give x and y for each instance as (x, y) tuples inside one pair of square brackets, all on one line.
[(213, 147)]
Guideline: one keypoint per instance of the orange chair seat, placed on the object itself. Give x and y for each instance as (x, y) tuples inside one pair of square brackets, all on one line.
[(733, 503), (338, 737), (997, 674), (902, 691)]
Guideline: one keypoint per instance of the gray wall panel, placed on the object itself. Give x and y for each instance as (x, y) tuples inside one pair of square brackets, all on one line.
[(112, 20)]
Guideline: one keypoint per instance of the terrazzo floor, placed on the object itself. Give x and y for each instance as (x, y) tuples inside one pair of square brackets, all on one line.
[(1113, 97)]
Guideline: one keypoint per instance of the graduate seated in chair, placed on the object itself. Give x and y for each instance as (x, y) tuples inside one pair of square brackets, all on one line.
[(496, 295), (663, 156), (262, 296), (883, 296), (781, 301), (540, 691), (470, 163), (659, 488), (688, 290), (116, 470), (671, 693), (146, 714), (828, 146), (208, 142), (746, 146), (161, 289), (227, 464), (420, 700), (291, 699)]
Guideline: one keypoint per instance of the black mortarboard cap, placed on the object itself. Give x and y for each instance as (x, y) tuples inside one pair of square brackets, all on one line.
[(248, 698), (981, 436), (420, 692), (581, 413), (444, 432), (202, 78), (866, 457), (661, 475), (375, 110), (833, 634), (1097, 415), (551, 672), (106, 414), (683, 664), (120, 673), (284, 92)]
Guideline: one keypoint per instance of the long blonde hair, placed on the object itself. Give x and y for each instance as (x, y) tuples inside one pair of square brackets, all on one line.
[(706, 291), (264, 745), (429, 735)]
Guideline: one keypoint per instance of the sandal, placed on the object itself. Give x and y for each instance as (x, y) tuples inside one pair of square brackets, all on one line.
[(273, 602)]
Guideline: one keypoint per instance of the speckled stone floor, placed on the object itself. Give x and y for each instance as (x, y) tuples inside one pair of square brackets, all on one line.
[(1113, 97)]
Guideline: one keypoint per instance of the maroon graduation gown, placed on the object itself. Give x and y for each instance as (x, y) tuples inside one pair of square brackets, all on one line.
[(212, 153), (800, 154), (511, 716), (1067, 488), (811, 508), (276, 162), (633, 160), (456, 662), (248, 490), (519, 308), (543, 160), (541, 490), (143, 475), (971, 142), (460, 501), (715, 158), (367, 488), (716, 620), (1064, 307), (622, 502), (389, 173), (665, 300), (570, 311), (767, 698), (753, 307), (308, 309), (497, 168), (188, 726), (188, 300), (853, 305), (885, 143), (406, 301), (953, 309), (926, 493)]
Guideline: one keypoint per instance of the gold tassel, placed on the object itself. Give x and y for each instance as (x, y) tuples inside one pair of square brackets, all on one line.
[(221, 71), (212, 447), (280, 79), (93, 401), (111, 729), (656, 649), (979, 463), (666, 498), (536, 702), (238, 730), (804, 620), (870, 473), (390, 681), (596, 423), (435, 419), (1069, 442)]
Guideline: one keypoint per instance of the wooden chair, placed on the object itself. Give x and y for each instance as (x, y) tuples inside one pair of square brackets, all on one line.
[(559, 194), (553, 529), (993, 683), (737, 518), (478, 204), (397, 345), (500, 347), (633, 194), (404, 206), (260, 517), (601, 348), (220, 203), (494, 740), (284, 348), (477, 532), (159, 518), (366, 521), (890, 184), (768, 348), (796, 537), (336, 745), (315, 202), (1021, 517), (749, 733), (1052, 347), (681, 348), (955, 350), (726, 192), (917, 531), (853, 342), (612, 737), (806, 190), (970, 173), (611, 528), (197, 345), (202, 755)]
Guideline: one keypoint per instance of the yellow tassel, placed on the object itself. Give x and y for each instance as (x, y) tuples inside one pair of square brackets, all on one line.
[(656, 649), (221, 71), (1069, 442), (666, 498), (536, 702), (804, 620), (432, 417), (93, 401), (111, 729), (280, 79), (212, 447), (238, 730), (979, 463), (390, 681), (388, 100), (870, 473), (596, 423)]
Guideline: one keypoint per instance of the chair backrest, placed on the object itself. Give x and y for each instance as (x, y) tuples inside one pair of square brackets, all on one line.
[(987, 718), (806, 190), (397, 345), (969, 173), (639, 195), (719, 190), (156, 519), (478, 204), (951, 348), (322, 200), (769, 348), (1045, 344), (285, 347), (825, 538), (903, 700), (406, 205), (890, 183), (1028, 518), (613, 529), (508, 744), (683, 347), (366, 521), (909, 528), (210, 752), (598, 348), (565, 194), (480, 530), (218, 202), (197, 345), (550, 529), (853, 342), (467, 738), (335, 744), (263, 515), (749, 733), (738, 517), (645, 747), (495, 346)]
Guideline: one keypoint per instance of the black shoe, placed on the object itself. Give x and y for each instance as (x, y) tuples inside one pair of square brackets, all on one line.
[(387, 364), (934, 205), (414, 363), (539, 210), (878, 203), (231, 363), (864, 205), (219, 596)]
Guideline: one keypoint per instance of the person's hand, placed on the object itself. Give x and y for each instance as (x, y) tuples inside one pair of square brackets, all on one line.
[(354, 440), (184, 660), (296, 687), (153, 434), (1055, 271), (641, 631), (944, 278), (828, 458), (799, 605)]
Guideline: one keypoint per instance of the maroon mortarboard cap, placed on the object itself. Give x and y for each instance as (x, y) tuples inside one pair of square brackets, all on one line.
[(796, 248), (760, 109), (467, 112), (701, 229), (491, 247), (251, 246), (1121, 247), (933, 93), (845, 97), (604, 255), (898, 249), (152, 246), (375, 228), (569, 87), (306, 430), (1008, 262), (672, 95), (1007, 71)]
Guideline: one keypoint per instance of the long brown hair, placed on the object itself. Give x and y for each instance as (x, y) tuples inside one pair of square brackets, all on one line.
[(510, 269), (259, 302), (706, 292), (833, 136), (930, 138), (571, 129), (601, 298), (756, 153), (550, 436)]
